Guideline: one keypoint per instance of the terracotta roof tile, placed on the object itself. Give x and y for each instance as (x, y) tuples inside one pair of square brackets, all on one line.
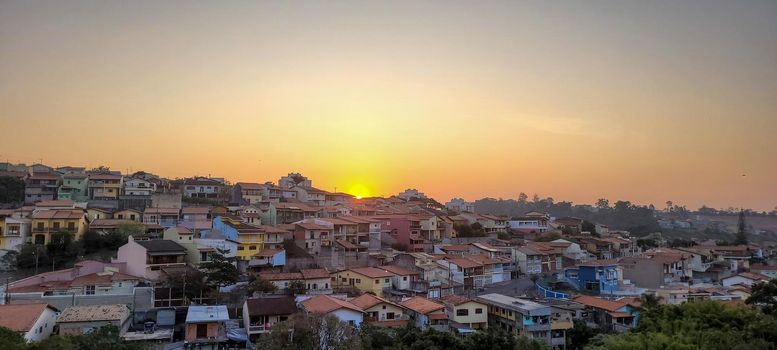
[(421, 305), (22, 317)]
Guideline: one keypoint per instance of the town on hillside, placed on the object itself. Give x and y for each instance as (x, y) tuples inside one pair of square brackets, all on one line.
[(202, 263)]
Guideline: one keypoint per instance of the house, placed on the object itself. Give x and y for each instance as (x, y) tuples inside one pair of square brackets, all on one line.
[(529, 261), (518, 317), (530, 222), (77, 320), (48, 222), (13, 231), (196, 218), (311, 195), (380, 312), (146, 258), (164, 217), (128, 214), (744, 278), (206, 327), (294, 179), (313, 235), (466, 315), (138, 187), (402, 278), (249, 238), (460, 205), (618, 315), (41, 187), (105, 186), (316, 281), (74, 187), (328, 305), (246, 192), (34, 322), (93, 213), (426, 313), (569, 224), (366, 279), (596, 276), (268, 258), (262, 313), (201, 187)]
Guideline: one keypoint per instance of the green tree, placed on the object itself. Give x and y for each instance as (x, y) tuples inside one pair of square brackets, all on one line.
[(491, 339), (261, 285), (580, 335), (297, 287), (764, 296), (311, 331), (11, 190), (219, 270)]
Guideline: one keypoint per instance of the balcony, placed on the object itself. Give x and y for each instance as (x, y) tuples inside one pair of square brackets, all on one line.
[(258, 329), (156, 267), (537, 327)]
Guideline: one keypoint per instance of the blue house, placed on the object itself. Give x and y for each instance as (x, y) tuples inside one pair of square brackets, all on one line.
[(597, 276)]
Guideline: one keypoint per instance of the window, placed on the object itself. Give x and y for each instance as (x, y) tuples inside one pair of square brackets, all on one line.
[(462, 312), (89, 290), (253, 247), (386, 281), (377, 281), (404, 278), (478, 311), (358, 280), (40, 226), (56, 226), (240, 247)]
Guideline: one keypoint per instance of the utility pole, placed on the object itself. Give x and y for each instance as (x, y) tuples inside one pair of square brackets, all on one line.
[(7, 290)]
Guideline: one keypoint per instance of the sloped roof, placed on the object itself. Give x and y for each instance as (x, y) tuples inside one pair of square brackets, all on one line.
[(161, 246), (21, 317), (372, 272), (366, 301), (325, 304), (271, 305), (421, 305), (609, 305)]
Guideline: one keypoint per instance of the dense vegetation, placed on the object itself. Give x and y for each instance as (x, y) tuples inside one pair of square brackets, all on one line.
[(316, 332), (101, 339), (11, 190), (622, 215)]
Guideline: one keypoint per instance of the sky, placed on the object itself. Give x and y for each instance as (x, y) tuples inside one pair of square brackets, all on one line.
[(641, 101)]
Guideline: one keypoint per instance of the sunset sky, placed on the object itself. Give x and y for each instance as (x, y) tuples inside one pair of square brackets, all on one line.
[(649, 102)]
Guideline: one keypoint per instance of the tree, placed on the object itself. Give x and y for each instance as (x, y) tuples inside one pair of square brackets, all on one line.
[(311, 331), (491, 339), (219, 271), (579, 335), (649, 301), (11, 190), (523, 198), (297, 287), (764, 296), (695, 326), (261, 285), (741, 237)]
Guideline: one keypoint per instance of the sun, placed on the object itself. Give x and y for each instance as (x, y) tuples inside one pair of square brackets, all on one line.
[(359, 191)]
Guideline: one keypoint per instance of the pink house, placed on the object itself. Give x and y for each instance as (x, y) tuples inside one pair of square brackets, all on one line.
[(406, 231), (80, 269), (146, 258)]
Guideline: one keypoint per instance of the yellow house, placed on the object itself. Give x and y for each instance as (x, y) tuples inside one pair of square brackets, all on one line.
[(47, 222), (249, 238), (128, 214), (466, 311), (367, 279), (381, 312)]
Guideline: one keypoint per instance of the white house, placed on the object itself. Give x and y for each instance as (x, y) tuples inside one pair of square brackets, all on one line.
[(745, 278), (34, 322), (328, 305)]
